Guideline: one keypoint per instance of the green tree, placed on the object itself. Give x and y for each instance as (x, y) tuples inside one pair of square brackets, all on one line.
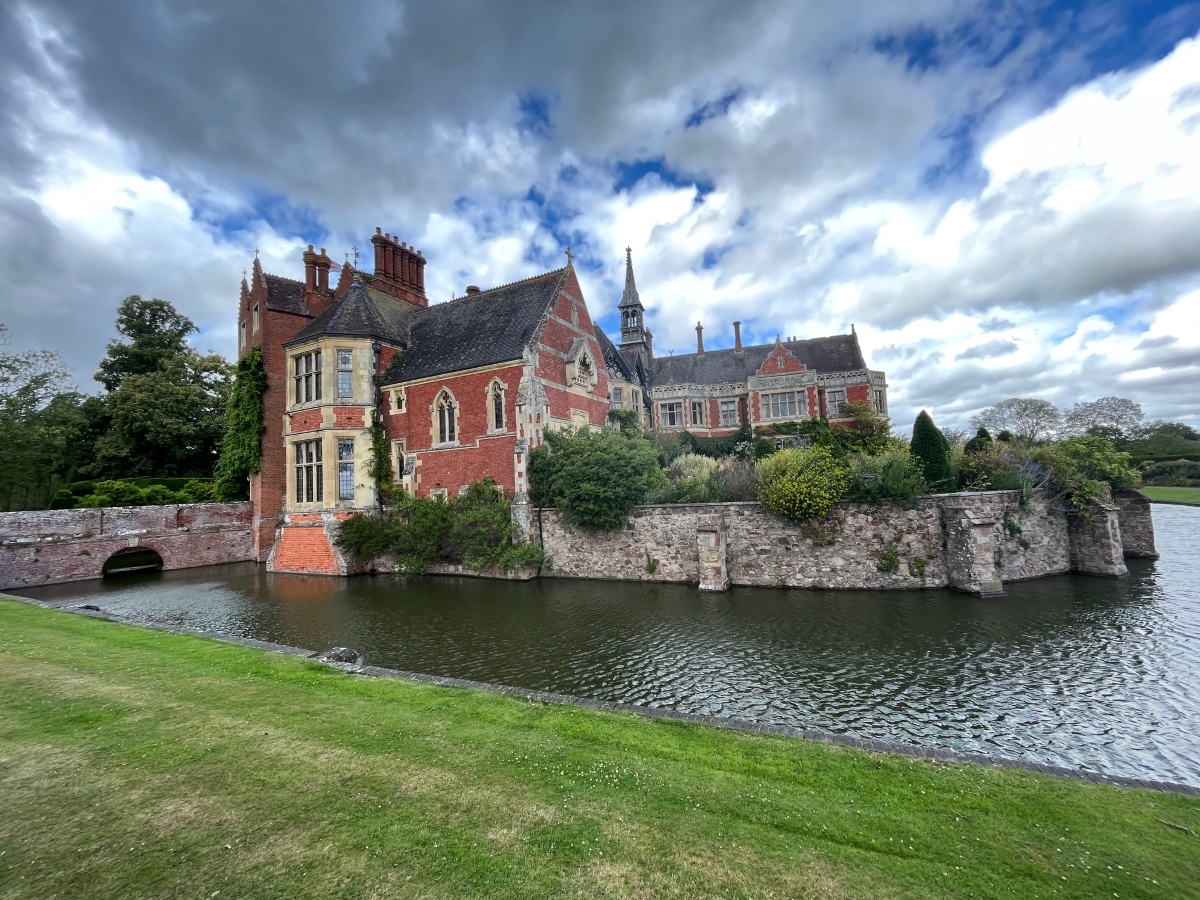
[(166, 403), (37, 424), (595, 477), (870, 433), (241, 446), (166, 422), (929, 447), (1028, 418), (154, 333)]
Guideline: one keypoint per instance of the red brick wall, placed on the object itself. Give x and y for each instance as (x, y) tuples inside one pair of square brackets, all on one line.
[(453, 467), (306, 549), (305, 420), (344, 417), (54, 546)]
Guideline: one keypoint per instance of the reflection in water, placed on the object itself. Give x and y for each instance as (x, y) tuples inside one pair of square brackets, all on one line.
[(1070, 670)]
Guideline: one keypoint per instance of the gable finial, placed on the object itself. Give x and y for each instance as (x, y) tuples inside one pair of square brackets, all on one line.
[(256, 253), (570, 257)]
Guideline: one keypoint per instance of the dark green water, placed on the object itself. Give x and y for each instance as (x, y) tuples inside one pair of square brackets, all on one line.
[(1075, 671)]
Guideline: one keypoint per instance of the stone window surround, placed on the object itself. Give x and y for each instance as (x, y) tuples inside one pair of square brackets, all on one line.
[(502, 386), (443, 395)]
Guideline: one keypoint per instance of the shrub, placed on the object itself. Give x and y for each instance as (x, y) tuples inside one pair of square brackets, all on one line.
[(628, 421), (870, 434), (1096, 457), (1180, 473), (929, 447), (62, 499), (888, 561), (594, 477), (691, 465), (717, 447), (981, 441), (736, 480), (475, 529), (196, 491), (894, 475), (801, 484), (416, 529)]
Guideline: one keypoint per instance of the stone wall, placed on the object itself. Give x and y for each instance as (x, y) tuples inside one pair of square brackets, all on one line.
[(973, 542), (1137, 525), (52, 546)]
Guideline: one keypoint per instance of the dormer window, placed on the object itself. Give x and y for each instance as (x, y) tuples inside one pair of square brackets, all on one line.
[(306, 376)]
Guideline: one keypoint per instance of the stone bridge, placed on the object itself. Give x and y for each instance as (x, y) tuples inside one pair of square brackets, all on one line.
[(53, 546)]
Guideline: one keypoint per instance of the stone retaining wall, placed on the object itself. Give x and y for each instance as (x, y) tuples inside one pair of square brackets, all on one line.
[(973, 542), (52, 546)]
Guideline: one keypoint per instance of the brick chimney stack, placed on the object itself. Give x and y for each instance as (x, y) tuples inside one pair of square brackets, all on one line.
[(699, 338), (310, 269), (399, 269), (737, 336), (322, 264)]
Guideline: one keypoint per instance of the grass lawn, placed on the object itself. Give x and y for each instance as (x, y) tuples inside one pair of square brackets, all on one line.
[(1174, 494), (135, 763)]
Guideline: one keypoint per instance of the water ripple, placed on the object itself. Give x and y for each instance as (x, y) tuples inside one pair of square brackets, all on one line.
[(1072, 671)]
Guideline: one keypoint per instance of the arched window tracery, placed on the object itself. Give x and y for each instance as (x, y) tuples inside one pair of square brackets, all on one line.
[(497, 400), (445, 418)]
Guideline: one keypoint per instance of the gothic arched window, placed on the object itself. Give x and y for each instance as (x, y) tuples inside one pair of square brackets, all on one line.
[(444, 415), (497, 398)]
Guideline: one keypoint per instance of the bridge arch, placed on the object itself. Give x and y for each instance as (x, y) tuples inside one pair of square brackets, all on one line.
[(132, 559)]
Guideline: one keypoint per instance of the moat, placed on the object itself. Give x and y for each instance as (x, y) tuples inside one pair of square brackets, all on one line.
[(1071, 670)]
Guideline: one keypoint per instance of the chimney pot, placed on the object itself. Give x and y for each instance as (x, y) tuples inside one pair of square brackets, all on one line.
[(472, 289), (310, 249), (737, 335), (699, 338), (322, 250), (378, 230)]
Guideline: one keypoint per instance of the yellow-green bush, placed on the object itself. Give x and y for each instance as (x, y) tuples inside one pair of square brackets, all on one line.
[(801, 484)]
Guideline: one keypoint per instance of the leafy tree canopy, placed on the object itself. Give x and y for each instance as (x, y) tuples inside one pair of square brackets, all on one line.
[(1111, 417), (1026, 418), (154, 332), (595, 477)]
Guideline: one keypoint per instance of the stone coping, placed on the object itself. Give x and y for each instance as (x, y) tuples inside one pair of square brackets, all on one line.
[(654, 712)]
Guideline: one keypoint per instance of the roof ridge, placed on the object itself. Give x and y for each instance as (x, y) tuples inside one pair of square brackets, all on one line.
[(282, 277), (752, 347), (499, 287)]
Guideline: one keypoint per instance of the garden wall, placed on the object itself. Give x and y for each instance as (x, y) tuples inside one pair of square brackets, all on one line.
[(53, 546), (973, 542)]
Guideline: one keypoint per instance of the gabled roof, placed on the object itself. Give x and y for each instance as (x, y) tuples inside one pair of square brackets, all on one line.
[(361, 312), (481, 329), (838, 353), (612, 356), (285, 294)]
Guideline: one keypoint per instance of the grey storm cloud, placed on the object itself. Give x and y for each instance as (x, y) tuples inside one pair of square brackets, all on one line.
[(495, 134), (990, 350)]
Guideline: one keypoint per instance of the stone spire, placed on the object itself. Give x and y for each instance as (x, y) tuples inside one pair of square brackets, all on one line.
[(633, 315), (630, 297)]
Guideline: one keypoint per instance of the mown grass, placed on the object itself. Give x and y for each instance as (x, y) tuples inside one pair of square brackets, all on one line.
[(135, 763), (1173, 494)]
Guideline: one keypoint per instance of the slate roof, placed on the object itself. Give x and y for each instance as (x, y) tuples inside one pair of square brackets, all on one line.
[(481, 329), (838, 353), (361, 312), (285, 294), (611, 354)]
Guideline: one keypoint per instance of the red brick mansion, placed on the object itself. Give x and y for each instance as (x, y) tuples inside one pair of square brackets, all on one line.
[(469, 386)]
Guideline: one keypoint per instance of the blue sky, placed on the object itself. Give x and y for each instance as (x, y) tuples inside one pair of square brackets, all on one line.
[(1000, 196)]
